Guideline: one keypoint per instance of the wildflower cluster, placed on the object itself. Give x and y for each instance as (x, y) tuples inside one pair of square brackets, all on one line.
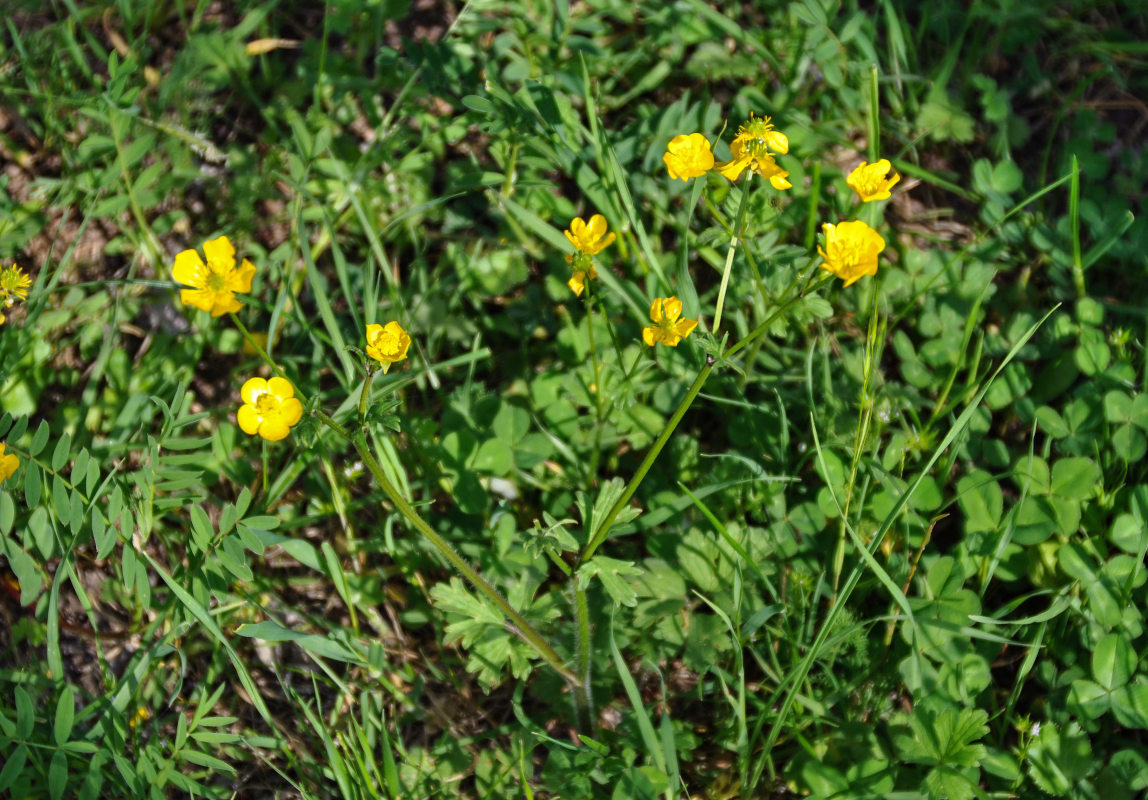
[(754, 148), (851, 248), (14, 284), (270, 408)]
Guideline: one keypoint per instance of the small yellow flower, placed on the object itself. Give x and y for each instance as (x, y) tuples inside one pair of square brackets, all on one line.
[(851, 250), (13, 286), (869, 181), (8, 463), (688, 156), (215, 283), (667, 328), (269, 408), (591, 238), (754, 147), (387, 343)]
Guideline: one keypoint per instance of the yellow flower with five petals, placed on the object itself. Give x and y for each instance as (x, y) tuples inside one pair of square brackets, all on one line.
[(851, 250), (215, 283), (870, 181), (688, 156), (387, 343), (269, 408), (668, 328), (754, 147), (8, 463)]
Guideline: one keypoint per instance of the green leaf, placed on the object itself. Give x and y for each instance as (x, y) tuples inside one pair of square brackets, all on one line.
[(40, 439), (610, 572), (1091, 698), (65, 714), (1130, 705), (494, 457), (982, 501), (1056, 762), (1075, 478), (13, 767), (25, 713), (58, 775), (60, 454), (1113, 662)]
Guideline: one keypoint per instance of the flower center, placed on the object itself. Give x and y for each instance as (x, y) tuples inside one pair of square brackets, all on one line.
[(266, 405), (216, 278)]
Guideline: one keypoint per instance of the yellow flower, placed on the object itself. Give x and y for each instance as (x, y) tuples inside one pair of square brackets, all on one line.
[(8, 464), (869, 180), (13, 286), (851, 250), (591, 238), (387, 343), (667, 328), (269, 408), (754, 147), (688, 156), (216, 282)]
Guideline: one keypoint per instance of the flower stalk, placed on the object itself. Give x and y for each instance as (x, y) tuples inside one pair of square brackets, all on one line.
[(519, 623)]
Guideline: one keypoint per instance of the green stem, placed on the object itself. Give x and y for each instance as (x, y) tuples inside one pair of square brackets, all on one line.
[(520, 625), (603, 529), (583, 696), (258, 348), (365, 396), (737, 231)]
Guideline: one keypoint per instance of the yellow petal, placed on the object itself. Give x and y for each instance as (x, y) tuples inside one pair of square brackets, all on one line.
[(249, 420), (280, 388), (673, 308), (220, 251), (240, 280), (732, 169), (274, 429), (777, 141), (597, 226), (253, 389), (199, 298), (684, 327), (656, 310), (224, 303), (575, 283), (650, 336), (189, 268), (291, 411)]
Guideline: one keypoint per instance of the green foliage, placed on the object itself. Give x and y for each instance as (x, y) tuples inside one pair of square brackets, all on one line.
[(893, 544)]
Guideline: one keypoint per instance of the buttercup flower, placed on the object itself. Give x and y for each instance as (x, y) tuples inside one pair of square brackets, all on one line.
[(754, 147), (8, 463), (387, 343), (869, 180), (851, 250), (269, 408), (688, 156), (667, 328), (583, 272), (591, 238), (13, 286), (216, 282)]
